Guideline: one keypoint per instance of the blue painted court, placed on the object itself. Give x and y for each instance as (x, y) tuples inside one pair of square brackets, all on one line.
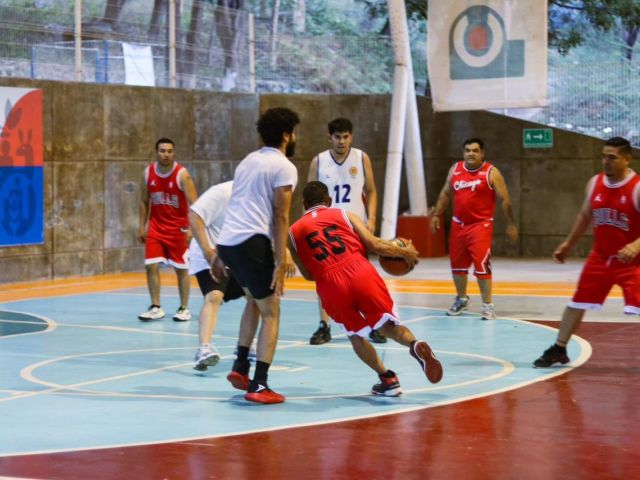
[(81, 372)]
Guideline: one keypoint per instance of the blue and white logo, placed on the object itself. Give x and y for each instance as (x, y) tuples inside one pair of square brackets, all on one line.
[(21, 215)]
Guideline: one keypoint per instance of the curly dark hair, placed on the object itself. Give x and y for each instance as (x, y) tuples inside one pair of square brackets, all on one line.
[(275, 122)]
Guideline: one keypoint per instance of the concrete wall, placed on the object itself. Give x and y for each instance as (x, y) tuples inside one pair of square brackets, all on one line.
[(98, 139)]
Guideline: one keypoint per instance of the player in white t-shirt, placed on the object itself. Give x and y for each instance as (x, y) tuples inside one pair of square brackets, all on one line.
[(257, 216), (348, 174), (206, 218)]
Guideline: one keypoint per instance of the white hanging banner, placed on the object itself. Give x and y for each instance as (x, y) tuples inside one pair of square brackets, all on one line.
[(138, 65), (485, 54)]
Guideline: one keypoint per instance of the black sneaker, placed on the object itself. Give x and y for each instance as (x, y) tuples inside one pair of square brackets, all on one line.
[(388, 387), (321, 335), (376, 337), (553, 354)]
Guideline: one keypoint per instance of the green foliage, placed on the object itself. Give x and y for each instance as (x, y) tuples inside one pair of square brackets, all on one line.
[(306, 65), (570, 21)]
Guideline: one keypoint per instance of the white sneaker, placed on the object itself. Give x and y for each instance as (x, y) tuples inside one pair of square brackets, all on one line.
[(182, 315), (154, 313), (205, 358), (488, 311), (459, 306)]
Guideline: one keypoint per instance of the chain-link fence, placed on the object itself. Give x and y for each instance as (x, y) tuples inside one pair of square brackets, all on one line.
[(211, 44), (599, 99), (215, 48), (228, 50)]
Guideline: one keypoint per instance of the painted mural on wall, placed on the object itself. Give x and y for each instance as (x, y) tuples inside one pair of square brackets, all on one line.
[(21, 167)]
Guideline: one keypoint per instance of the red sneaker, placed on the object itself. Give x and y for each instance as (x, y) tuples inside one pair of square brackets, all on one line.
[(263, 394), (238, 380), (388, 386), (431, 366)]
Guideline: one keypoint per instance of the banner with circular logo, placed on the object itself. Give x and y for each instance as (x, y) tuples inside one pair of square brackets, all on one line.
[(487, 54), (21, 167)]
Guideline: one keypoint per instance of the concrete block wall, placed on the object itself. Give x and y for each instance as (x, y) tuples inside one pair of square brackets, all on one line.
[(98, 139)]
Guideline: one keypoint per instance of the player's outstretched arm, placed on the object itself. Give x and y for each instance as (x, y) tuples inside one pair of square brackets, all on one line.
[(199, 233), (630, 251), (382, 247), (281, 205), (303, 270), (370, 193), (580, 225), (496, 180), (443, 200), (312, 175), (143, 209)]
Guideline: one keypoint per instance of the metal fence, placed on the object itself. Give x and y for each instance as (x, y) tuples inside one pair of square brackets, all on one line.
[(598, 98), (211, 43), (228, 50), (215, 48)]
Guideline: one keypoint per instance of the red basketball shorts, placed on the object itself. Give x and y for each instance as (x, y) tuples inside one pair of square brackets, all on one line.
[(471, 245), (173, 250), (356, 297), (599, 275)]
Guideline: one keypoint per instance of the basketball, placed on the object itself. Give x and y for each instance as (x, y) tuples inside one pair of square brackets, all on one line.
[(395, 265)]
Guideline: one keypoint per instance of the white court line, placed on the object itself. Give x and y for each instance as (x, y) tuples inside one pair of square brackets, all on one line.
[(559, 371), (52, 387), (585, 354), (51, 324)]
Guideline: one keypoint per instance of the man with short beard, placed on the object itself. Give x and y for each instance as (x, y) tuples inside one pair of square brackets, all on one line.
[(612, 205), (257, 216), (473, 184)]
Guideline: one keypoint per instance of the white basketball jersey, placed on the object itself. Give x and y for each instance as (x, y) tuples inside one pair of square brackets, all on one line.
[(345, 181)]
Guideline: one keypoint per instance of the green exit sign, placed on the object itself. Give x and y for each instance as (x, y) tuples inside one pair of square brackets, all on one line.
[(537, 138)]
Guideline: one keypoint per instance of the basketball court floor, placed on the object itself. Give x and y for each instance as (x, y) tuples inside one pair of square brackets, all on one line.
[(88, 391)]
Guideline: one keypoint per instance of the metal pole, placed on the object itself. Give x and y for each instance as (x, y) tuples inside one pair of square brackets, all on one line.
[(77, 35), (397, 124), (394, 153), (172, 43), (105, 60), (252, 55), (33, 62), (412, 143), (413, 154)]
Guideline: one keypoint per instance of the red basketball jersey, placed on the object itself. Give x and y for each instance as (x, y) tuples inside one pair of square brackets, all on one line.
[(168, 203), (474, 200), (616, 214), (324, 239)]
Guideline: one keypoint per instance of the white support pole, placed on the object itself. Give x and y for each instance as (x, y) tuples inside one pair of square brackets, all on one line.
[(77, 36), (397, 124), (412, 143), (413, 154), (252, 55), (394, 153), (172, 43)]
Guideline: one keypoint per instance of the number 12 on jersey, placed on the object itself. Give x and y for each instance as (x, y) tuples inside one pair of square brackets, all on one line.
[(346, 190)]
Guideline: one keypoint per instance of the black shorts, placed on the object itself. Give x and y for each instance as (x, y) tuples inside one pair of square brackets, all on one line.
[(228, 285), (252, 264)]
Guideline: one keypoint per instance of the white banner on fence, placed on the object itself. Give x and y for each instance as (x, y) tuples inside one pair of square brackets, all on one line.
[(138, 65), (487, 54)]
